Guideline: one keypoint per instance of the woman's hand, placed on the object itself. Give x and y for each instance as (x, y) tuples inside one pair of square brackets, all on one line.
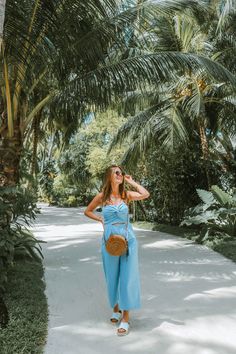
[(128, 179), (141, 193), (102, 221)]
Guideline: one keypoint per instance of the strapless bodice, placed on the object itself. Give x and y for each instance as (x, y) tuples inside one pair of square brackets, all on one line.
[(115, 213)]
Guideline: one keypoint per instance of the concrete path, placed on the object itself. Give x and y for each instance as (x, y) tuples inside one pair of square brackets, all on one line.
[(188, 292)]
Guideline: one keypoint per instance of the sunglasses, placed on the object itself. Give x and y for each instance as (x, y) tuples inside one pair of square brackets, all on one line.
[(119, 173)]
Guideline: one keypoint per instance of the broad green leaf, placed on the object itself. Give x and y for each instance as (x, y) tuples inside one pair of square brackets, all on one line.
[(222, 197)]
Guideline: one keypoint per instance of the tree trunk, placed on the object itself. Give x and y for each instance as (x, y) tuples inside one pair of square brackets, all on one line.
[(10, 153), (4, 316), (36, 124), (205, 150), (139, 203)]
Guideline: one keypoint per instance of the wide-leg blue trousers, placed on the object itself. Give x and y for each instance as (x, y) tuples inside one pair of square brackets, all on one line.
[(122, 277)]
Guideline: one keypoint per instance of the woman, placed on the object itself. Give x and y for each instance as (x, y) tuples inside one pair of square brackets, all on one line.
[(121, 272)]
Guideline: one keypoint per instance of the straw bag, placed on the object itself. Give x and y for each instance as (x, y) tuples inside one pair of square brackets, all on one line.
[(117, 245)]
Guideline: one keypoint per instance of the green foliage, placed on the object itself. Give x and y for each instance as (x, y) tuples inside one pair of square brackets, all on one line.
[(46, 180), (81, 165), (71, 201), (172, 180), (72, 163), (222, 197), (224, 246), (175, 127), (73, 184), (17, 211), (216, 215), (100, 133), (99, 159), (223, 153)]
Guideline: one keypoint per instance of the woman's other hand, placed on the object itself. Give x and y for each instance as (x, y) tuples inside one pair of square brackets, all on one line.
[(102, 221)]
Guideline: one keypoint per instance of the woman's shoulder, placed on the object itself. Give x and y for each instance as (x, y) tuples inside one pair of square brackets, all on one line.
[(100, 196)]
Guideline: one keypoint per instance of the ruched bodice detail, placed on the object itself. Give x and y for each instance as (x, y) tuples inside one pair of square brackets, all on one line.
[(117, 214)]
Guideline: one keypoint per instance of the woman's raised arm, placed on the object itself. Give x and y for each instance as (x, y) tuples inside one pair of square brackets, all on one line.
[(142, 193)]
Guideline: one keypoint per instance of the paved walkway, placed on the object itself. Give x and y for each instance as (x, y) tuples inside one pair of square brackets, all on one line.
[(188, 292)]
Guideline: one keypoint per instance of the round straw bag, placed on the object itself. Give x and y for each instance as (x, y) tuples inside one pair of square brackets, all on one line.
[(116, 245)]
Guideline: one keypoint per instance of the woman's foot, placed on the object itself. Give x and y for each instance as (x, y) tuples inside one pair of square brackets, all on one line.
[(116, 310), (123, 329), (125, 318), (116, 316)]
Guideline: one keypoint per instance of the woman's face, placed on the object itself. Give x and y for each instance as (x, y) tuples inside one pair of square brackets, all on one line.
[(116, 175)]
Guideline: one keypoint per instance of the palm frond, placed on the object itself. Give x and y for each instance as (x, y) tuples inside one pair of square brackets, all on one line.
[(226, 8), (134, 126), (194, 104), (168, 129), (132, 155), (146, 70)]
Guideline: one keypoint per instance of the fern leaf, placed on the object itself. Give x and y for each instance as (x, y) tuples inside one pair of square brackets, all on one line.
[(206, 197)]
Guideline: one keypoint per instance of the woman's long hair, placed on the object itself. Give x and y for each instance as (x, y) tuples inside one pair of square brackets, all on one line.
[(106, 189)]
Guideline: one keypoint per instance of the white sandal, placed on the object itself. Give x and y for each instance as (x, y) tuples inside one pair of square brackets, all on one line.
[(116, 316), (125, 326)]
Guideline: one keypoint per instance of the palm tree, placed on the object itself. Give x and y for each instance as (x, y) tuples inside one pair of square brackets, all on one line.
[(75, 55), (37, 64), (193, 104)]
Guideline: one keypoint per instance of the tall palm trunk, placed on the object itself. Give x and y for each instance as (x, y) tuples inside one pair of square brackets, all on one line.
[(10, 154), (36, 125), (205, 148), (4, 317)]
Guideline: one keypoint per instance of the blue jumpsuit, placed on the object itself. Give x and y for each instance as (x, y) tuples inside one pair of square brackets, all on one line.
[(121, 272)]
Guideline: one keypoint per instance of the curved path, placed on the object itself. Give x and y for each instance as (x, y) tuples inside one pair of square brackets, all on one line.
[(188, 292)]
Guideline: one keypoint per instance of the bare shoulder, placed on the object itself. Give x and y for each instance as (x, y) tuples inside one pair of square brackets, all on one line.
[(97, 201), (98, 197)]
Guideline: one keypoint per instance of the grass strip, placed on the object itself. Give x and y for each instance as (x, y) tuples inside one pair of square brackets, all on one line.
[(225, 247), (28, 310)]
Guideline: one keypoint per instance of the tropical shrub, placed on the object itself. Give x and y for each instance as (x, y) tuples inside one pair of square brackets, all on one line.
[(17, 211), (46, 181), (216, 215), (172, 178), (71, 201)]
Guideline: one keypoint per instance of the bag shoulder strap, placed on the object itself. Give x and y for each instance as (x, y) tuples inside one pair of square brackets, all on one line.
[(127, 224)]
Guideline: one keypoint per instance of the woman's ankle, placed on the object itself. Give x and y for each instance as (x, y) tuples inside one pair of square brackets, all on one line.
[(125, 315), (116, 308)]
